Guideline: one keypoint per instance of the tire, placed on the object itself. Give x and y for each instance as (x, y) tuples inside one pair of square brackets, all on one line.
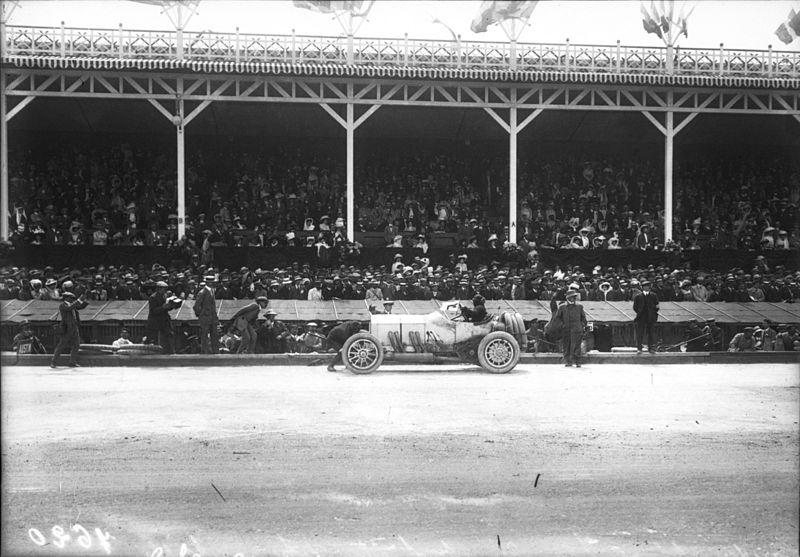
[(153, 348), (362, 353), (516, 326), (97, 347), (523, 333), (498, 352)]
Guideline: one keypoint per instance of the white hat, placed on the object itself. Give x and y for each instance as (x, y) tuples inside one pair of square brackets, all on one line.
[(339, 222), (290, 235)]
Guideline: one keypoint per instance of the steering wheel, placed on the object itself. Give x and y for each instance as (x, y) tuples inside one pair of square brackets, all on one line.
[(458, 316)]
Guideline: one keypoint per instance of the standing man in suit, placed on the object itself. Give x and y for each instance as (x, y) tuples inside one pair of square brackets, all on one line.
[(571, 320), (645, 304), (70, 328), (205, 308)]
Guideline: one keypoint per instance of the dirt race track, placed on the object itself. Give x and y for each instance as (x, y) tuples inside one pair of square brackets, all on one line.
[(602, 460)]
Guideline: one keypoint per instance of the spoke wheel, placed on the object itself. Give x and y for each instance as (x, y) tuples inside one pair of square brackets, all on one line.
[(362, 353), (498, 352)]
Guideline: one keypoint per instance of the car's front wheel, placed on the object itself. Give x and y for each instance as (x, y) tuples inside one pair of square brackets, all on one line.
[(498, 352), (362, 353)]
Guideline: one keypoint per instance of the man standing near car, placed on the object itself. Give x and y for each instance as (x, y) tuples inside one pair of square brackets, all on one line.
[(338, 336), (645, 304), (571, 320)]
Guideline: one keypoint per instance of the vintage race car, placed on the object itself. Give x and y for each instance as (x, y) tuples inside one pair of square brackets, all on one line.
[(440, 336)]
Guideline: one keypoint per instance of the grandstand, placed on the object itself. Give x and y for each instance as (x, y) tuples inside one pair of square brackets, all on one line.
[(154, 154)]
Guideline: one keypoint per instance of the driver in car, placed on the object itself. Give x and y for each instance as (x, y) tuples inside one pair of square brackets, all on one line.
[(478, 313)]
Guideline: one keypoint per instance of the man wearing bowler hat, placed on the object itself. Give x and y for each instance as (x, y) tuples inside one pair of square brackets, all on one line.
[(645, 305), (205, 308)]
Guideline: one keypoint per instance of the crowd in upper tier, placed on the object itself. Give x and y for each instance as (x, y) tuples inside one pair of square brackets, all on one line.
[(86, 192)]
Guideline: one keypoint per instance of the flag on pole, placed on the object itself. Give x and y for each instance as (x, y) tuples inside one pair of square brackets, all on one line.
[(355, 7), (789, 30), (649, 23), (495, 11)]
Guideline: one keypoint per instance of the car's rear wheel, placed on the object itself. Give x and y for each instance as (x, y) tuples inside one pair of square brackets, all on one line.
[(362, 353), (498, 352)]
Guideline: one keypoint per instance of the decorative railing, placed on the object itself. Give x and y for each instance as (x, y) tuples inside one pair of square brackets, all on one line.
[(242, 47)]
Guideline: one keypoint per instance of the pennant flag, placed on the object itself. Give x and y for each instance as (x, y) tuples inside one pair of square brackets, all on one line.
[(355, 7), (495, 11), (789, 30), (649, 23)]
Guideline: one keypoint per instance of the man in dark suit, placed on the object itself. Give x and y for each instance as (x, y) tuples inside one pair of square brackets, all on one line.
[(645, 305), (571, 321), (70, 328), (205, 308), (159, 324)]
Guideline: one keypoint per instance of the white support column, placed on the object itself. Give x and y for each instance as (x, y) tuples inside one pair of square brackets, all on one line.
[(3, 159), (669, 133), (351, 191), (180, 135), (512, 170)]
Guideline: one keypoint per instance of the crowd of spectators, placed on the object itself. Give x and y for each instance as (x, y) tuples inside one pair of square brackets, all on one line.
[(292, 193), (410, 279)]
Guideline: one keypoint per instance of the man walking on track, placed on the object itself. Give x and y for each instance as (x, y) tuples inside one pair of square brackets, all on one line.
[(645, 304), (244, 322), (205, 308), (338, 336), (571, 320), (70, 328)]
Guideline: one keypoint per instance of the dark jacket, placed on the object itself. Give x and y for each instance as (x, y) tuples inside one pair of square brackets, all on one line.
[(205, 306), (475, 315), (571, 318), (158, 314), (340, 333), (646, 307), (68, 311)]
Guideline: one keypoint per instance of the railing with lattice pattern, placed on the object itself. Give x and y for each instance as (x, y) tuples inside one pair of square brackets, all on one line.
[(243, 47)]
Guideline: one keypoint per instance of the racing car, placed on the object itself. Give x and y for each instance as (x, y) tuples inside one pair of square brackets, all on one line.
[(440, 336)]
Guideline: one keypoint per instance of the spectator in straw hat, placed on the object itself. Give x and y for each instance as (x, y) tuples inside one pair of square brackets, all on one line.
[(205, 308), (570, 319)]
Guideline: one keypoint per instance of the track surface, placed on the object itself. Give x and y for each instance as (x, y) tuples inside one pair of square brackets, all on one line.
[(603, 460)]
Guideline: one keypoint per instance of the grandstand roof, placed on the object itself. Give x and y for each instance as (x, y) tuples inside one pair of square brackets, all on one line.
[(105, 116)]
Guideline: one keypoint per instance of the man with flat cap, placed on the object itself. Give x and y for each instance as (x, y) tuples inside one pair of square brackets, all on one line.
[(244, 323), (159, 323), (70, 328), (743, 342), (205, 308), (645, 305), (570, 318)]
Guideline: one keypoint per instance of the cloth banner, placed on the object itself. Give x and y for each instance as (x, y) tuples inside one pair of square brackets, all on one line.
[(496, 11)]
